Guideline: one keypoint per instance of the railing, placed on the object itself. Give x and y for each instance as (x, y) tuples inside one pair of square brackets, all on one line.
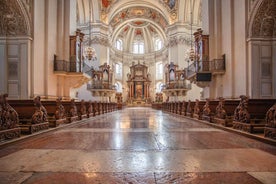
[(216, 66), (66, 66), (177, 85), (100, 85)]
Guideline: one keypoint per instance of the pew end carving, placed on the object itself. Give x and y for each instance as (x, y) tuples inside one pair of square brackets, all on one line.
[(38, 121), (8, 120), (270, 126)]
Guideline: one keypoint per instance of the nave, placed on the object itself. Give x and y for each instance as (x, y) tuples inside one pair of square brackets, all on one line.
[(137, 145)]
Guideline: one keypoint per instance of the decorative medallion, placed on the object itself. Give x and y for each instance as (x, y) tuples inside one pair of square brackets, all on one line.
[(138, 12)]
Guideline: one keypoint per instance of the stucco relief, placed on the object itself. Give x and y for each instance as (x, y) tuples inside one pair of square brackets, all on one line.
[(264, 24), (98, 40), (174, 41), (12, 21)]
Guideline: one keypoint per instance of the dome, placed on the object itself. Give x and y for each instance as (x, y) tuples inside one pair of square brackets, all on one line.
[(139, 37)]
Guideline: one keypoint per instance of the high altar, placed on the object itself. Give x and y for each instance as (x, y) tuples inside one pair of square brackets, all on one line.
[(138, 84)]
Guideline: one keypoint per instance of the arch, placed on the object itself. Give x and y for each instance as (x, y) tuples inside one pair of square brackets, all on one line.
[(14, 18), (262, 22)]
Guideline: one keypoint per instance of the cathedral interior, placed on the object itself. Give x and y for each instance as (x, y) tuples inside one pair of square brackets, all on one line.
[(149, 91)]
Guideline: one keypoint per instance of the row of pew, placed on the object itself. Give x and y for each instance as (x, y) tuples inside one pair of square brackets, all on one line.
[(256, 116), (29, 116)]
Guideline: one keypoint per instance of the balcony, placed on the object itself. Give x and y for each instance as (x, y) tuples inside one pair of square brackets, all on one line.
[(99, 88), (177, 88), (203, 71), (62, 66)]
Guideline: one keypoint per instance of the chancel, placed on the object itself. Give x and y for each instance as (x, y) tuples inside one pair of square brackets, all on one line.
[(148, 91)]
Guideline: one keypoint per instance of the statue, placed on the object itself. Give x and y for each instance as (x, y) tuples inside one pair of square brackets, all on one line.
[(189, 107), (271, 117), (40, 115), (83, 108), (90, 107), (196, 108), (60, 111), (220, 111), (206, 108), (73, 109), (241, 113), (8, 116)]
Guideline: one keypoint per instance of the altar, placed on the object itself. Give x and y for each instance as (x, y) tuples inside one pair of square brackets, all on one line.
[(138, 81)]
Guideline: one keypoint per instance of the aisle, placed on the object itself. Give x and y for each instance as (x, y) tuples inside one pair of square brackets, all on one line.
[(138, 145)]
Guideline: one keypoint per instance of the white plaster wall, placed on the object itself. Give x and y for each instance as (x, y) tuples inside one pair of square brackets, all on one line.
[(39, 64), (226, 47), (3, 66), (240, 68), (194, 93), (51, 86), (84, 94)]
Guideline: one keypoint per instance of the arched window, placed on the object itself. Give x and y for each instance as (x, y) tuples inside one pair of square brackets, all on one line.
[(119, 44), (157, 44), (118, 71), (138, 47), (159, 70)]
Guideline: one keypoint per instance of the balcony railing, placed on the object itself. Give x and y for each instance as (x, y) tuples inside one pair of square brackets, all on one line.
[(100, 85), (215, 66), (66, 66)]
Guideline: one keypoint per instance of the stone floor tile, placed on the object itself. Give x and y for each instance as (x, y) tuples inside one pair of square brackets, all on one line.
[(205, 178), (76, 178), (14, 177), (265, 177)]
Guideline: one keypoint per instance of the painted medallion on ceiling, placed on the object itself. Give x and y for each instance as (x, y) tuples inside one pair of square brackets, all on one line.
[(136, 13)]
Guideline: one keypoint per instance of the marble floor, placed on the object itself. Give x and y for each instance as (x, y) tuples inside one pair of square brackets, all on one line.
[(138, 145)]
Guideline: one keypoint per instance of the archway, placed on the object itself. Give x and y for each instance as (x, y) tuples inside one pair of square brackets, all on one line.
[(261, 44)]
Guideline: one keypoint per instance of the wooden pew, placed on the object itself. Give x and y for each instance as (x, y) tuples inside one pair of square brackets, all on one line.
[(31, 118), (56, 112), (208, 110), (249, 116), (198, 109), (190, 109), (89, 107), (184, 108), (81, 108), (71, 111), (270, 126), (225, 111)]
